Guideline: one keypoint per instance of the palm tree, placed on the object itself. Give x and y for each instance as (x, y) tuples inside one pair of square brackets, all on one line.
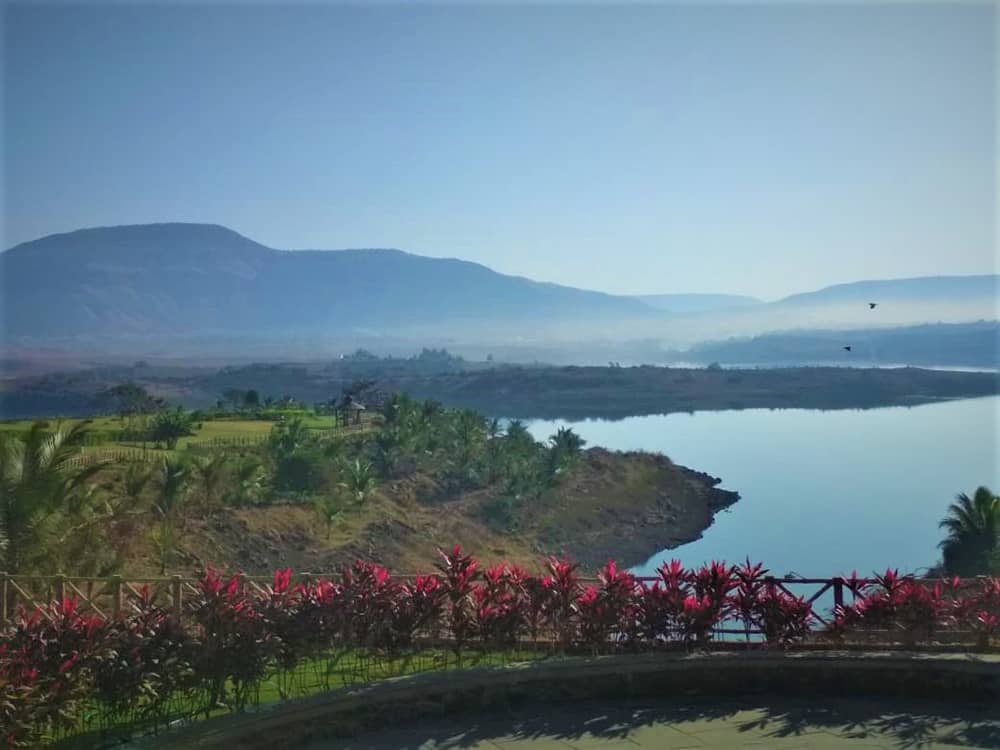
[(360, 480), (287, 437), (247, 482), (134, 481), (973, 526), (171, 485), (37, 478), (172, 482), (210, 474), (517, 434), (566, 442), (564, 446), (329, 507)]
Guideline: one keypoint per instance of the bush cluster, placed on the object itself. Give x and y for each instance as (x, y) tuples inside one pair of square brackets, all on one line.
[(59, 663)]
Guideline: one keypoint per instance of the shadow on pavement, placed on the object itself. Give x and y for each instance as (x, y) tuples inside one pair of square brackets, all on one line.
[(893, 723)]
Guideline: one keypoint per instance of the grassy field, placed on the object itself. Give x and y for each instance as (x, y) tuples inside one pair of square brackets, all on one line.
[(207, 432)]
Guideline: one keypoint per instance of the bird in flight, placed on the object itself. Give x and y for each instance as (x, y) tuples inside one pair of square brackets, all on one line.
[(872, 305), (847, 348)]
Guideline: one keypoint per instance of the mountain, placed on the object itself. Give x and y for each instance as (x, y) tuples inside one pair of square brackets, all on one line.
[(696, 303), (924, 289), (199, 289), (202, 280)]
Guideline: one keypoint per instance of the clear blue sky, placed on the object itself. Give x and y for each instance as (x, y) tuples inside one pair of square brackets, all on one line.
[(761, 149)]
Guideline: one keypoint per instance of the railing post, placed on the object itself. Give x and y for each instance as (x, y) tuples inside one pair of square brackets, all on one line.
[(4, 594), (116, 596), (60, 586), (176, 595), (838, 592)]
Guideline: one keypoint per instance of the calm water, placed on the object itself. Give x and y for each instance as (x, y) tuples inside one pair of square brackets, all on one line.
[(823, 492)]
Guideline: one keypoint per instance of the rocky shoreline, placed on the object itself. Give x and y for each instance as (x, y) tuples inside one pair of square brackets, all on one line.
[(630, 506)]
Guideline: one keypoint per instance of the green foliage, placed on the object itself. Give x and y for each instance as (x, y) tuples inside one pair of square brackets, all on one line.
[(51, 501), (210, 474), (171, 425), (247, 479), (329, 508), (288, 437), (359, 480), (41, 488), (972, 544), (564, 447), (172, 481), (300, 471)]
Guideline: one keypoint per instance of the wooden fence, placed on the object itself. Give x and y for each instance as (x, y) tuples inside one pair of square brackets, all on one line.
[(112, 596)]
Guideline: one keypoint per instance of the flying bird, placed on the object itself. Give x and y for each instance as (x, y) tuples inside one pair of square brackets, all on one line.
[(872, 305), (847, 348)]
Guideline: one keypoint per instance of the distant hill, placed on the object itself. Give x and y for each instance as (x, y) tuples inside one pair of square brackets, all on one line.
[(196, 279), (946, 344), (921, 289), (695, 303), (202, 289)]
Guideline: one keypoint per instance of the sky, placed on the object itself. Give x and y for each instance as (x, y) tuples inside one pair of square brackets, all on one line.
[(739, 148)]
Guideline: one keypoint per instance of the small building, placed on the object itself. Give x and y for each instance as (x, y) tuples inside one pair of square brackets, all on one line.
[(351, 410)]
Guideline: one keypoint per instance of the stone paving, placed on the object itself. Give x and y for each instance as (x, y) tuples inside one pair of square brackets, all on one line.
[(678, 724)]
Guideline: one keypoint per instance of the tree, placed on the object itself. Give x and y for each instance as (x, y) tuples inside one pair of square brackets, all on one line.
[(566, 442), (973, 526), (169, 426), (329, 507), (234, 396), (359, 480), (172, 482), (210, 474), (247, 482), (132, 403), (287, 437), (251, 399), (38, 476), (133, 482)]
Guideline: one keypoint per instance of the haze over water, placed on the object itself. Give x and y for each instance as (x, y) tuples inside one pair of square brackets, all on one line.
[(822, 492)]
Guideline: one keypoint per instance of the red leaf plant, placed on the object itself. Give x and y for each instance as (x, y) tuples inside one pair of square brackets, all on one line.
[(233, 640), (501, 605), (147, 657), (607, 612), (458, 573), (47, 669), (564, 588), (418, 609), (782, 618), (745, 601)]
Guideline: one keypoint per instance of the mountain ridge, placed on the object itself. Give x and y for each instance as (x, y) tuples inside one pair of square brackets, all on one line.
[(161, 283)]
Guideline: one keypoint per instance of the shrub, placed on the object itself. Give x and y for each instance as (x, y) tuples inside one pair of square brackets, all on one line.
[(147, 657), (782, 618), (58, 664), (607, 611), (299, 471), (233, 640), (501, 605), (564, 588), (459, 572)]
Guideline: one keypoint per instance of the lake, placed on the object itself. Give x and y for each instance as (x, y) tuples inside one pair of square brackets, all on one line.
[(822, 492)]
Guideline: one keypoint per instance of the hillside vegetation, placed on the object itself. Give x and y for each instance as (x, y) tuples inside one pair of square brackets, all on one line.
[(391, 489)]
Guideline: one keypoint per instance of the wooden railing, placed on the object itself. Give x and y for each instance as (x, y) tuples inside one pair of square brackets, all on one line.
[(111, 596)]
